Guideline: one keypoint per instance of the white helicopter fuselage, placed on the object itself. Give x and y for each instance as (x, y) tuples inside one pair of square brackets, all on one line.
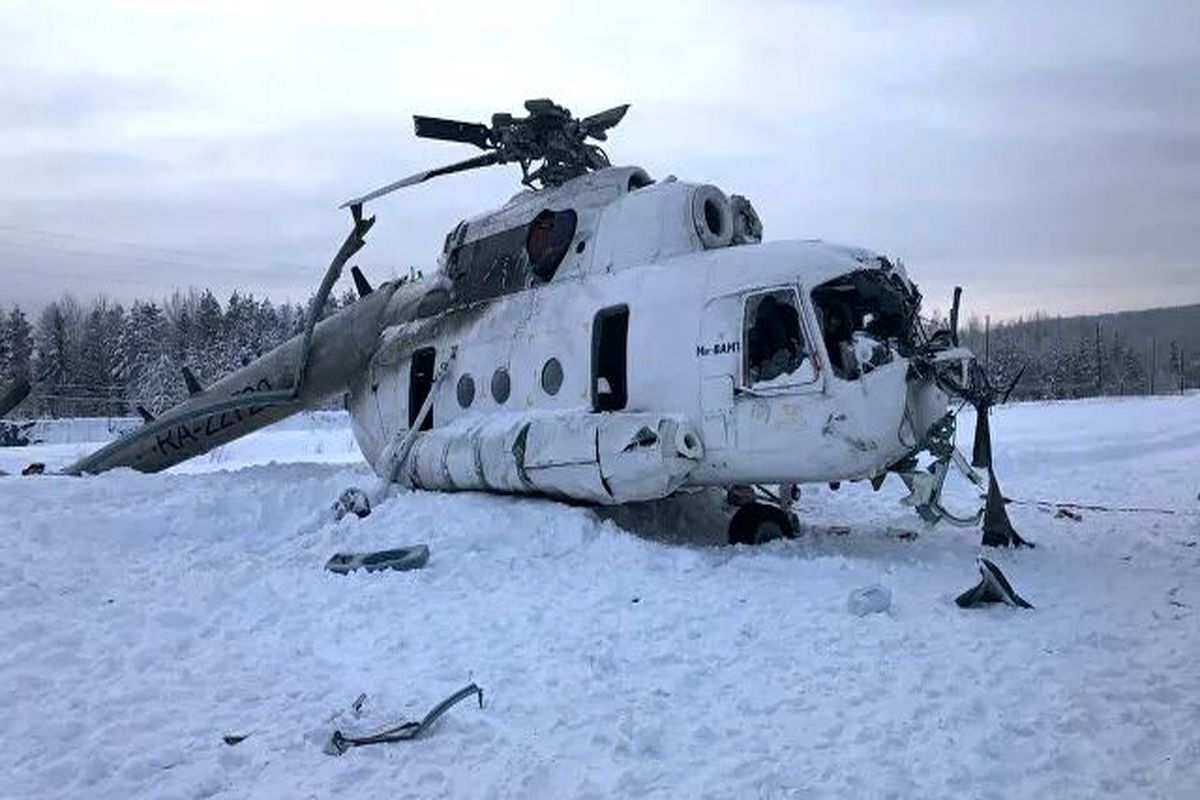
[(645, 316)]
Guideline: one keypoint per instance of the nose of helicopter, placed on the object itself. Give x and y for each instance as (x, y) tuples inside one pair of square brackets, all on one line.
[(927, 404)]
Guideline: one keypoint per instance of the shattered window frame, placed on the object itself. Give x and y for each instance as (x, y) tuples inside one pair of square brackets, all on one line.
[(870, 292), (806, 352)]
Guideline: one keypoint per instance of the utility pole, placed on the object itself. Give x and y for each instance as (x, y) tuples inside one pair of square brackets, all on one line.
[(1099, 363), (987, 343), (1153, 361)]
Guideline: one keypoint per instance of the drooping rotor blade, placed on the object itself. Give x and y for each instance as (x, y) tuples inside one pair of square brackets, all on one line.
[(485, 160), (449, 130), (596, 125), (11, 397), (361, 284)]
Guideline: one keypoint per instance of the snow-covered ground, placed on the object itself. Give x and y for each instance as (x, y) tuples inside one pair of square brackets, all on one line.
[(144, 617)]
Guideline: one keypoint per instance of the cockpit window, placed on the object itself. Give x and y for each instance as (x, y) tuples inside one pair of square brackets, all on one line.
[(546, 244), (866, 319), (775, 348)]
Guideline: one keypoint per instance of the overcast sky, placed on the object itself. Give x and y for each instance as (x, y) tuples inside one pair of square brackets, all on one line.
[(1045, 158)]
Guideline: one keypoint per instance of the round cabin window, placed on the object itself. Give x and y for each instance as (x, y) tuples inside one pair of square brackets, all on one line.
[(466, 391), (501, 385), (552, 376)]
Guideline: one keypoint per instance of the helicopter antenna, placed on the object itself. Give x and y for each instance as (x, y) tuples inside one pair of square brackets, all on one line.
[(550, 145)]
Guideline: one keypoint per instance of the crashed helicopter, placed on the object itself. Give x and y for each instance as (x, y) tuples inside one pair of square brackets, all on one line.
[(606, 338)]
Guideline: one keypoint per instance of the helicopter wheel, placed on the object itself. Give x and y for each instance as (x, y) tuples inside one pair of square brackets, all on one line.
[(758, 523)]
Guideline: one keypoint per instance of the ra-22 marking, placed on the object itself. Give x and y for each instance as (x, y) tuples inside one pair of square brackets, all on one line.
[(718, 349), (181, 434)]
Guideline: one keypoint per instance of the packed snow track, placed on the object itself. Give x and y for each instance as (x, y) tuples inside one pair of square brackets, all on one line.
[(144, 617)]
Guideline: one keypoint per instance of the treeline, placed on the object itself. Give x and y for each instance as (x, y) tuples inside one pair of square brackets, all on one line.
[(1135, 352), (105, 359)]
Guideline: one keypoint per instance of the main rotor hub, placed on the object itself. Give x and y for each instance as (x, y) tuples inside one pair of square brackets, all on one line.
[(550, 145)]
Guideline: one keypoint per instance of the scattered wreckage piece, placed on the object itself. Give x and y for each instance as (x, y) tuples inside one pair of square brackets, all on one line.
[(339, 742), (16, 434), (401, 559), (993, 587), (873, 599), (352, 501)]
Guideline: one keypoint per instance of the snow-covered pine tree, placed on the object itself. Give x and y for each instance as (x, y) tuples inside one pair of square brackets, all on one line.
[(179, 309), (266, 326), (238, 333), (99, 357), (205, 348), (19, 336), (5, 368), (56, 343), (151, 378)]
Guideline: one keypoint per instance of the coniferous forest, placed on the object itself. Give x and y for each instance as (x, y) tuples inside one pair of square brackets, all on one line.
[(104, 359)]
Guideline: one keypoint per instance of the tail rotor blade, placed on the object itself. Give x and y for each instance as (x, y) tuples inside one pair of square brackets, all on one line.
[(485, 160)]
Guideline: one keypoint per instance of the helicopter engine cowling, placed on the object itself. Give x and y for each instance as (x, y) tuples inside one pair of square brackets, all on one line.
[(712, 216)]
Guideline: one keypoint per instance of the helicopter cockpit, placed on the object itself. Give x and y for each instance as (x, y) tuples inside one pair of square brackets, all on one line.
[(867, 319)]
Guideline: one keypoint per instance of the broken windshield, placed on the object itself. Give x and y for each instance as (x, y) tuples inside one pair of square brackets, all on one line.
[(866, 320)]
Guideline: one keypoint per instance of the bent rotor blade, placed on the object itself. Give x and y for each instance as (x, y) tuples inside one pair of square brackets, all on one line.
[(998, 530), (12, 397), (981, 453), (485, 160), (1013, 385), (450, 130), (596, 125)]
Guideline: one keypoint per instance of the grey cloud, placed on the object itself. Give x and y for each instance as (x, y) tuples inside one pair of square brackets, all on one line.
[(1025, 157), (41, 99)]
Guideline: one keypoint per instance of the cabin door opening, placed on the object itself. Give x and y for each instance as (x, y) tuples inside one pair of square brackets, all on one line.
[(610, 337), (420, 382)]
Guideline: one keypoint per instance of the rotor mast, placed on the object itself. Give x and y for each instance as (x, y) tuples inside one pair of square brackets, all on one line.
[(549, 144)]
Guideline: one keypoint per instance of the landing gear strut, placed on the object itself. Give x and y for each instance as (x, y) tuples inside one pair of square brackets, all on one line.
[(761, 516)]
